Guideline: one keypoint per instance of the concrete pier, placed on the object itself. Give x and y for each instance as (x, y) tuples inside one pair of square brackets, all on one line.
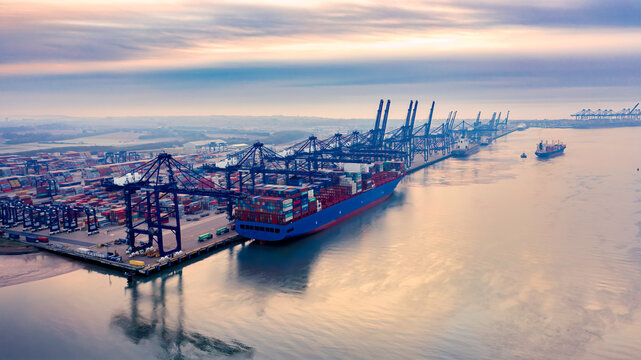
[(95, 248), (106, 241)]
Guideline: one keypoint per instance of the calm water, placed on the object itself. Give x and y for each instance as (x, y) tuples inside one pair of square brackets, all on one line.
[(492, 257)]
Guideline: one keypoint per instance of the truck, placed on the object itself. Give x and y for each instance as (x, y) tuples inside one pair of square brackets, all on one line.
[(204, 237), (222, 230)]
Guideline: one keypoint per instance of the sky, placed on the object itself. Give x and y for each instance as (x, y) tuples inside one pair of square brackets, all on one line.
[(538, 59)]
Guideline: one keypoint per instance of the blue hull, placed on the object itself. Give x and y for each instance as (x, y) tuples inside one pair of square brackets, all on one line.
[(549, 154), (320, 220)]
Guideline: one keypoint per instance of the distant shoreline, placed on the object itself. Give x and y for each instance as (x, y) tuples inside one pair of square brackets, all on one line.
[(576, 124), (81, 148)]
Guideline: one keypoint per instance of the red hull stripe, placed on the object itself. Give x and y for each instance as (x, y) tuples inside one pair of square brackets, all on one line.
[(347, 216)]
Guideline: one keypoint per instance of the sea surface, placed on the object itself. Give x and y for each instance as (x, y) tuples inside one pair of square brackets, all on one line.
[(489, 257)]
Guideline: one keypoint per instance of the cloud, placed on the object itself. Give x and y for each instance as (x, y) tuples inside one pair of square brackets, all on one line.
[(512, 72), (55, 33), (103, 34), (563, 14), (136, 54)]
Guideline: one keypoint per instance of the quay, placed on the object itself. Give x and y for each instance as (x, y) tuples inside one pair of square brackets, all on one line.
[(419, 163), (184, 212), (67, 244)]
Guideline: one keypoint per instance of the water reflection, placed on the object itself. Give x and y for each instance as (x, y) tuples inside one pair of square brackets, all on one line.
[(285, 267), (170, 333), (552, 158), (489, 257)]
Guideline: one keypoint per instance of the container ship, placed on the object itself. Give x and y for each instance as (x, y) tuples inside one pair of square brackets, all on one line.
[(464, 147), (485, 140), (279, 212), (545, 150)]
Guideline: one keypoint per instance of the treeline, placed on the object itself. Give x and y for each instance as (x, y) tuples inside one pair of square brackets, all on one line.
[(276, 138), (37, 136)]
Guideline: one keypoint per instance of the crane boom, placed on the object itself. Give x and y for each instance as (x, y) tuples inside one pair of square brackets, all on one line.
[(378, 116), (384, 126), (413, 117), (429, 122), (409, 113)]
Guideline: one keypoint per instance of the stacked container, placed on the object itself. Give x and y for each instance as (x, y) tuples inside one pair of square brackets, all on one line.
[(277, 204)]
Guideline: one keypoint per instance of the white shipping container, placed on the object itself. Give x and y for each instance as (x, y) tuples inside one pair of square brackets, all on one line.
[(82, 250), (352, 167)]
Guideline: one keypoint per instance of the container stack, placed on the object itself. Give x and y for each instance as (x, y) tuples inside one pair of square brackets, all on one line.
[(5, 186), (277, 204), (352, 181), (17, 183), (61, 176), (101, 171), (24, 197), (265, 209), (272, 202), (386, 172)]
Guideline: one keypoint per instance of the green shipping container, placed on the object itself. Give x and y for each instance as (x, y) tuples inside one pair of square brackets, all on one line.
[(222, 231)]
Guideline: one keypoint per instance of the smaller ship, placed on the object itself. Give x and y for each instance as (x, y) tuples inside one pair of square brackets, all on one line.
[(485, 140), (523, 156), (546, 149), (464, 147), (521, 127)]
